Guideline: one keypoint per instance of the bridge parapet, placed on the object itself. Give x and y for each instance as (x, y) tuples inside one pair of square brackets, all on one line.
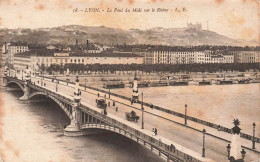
[(164, 147)]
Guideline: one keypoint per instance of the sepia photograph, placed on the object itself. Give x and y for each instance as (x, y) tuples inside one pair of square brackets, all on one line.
[(129, 81)]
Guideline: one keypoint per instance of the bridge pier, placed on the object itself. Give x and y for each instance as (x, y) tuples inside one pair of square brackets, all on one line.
[(27, 93), (5, 81), (74, 128)]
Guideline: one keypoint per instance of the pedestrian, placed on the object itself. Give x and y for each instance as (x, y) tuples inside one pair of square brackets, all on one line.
[(116, 109), (155, 131), (109, 104), (219, 128), (98, 94), (151, 105)]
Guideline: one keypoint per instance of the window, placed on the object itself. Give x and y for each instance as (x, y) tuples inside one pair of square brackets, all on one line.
[(82, 60), (71, 60)]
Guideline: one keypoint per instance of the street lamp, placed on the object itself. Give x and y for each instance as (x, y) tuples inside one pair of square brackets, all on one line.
[(41, 79), (228, 150), (108, 90), (56, 84), (142, 107), (22, 74), (203, 148), (232, 159), (253, 142), (243, 153), (185, 114), (85, 83)]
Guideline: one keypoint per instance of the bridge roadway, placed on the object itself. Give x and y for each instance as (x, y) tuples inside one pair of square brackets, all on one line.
[(189, 138)]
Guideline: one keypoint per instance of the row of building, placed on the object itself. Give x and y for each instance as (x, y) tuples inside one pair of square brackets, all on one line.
[(20, 54), (200, 57)]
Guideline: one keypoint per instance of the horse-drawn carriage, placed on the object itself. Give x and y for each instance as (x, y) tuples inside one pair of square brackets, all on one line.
[(101, 104), (131, 116)]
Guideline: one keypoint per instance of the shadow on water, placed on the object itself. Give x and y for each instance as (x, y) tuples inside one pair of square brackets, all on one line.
[(110, 147)]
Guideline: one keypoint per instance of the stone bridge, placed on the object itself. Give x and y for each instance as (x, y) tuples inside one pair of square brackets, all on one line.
[(87, 119)]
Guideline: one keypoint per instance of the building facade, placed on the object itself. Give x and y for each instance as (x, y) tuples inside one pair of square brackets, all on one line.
[(186, 57), (48, 57), (12, 48), (245, 56)]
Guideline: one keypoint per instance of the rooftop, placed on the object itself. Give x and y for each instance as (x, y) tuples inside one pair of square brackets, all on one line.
[(50, 53), (18, 44)]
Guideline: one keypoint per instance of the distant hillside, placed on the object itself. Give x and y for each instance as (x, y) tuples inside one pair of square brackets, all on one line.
[(105, 35)]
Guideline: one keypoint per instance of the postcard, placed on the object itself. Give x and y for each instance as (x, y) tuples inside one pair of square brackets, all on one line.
[(129, 80)]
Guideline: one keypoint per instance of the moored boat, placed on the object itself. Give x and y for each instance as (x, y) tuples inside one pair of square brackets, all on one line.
[(140, 84), (204, 82), (114, 85), (178, 83), (243, 81), (158, 84), (224, 82)]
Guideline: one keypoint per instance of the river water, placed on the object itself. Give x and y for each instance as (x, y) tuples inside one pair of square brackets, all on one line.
[(34, 132)]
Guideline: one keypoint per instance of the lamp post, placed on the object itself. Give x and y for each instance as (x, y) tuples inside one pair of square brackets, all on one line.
[(56, 84), (41, 78), (253, 142), (243, 154), (228, 150), (185, 114), (203, 146), (85, 83), (232, 159), (68, 76), (67, 79), (109, 90), (142, 107)]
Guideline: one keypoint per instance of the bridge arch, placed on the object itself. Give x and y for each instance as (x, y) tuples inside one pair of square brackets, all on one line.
[(113, 129), (17, 83), (60, 103)]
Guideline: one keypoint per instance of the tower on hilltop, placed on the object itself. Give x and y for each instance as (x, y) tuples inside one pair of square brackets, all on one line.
[(196, 26)]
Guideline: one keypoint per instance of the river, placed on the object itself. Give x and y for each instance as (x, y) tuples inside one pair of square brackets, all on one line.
[(34, 132)]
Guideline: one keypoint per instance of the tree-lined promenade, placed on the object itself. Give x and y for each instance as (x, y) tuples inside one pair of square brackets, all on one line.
[(151, 68)]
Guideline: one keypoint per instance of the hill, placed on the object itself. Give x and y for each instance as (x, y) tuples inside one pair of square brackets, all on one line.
[(101, 34)]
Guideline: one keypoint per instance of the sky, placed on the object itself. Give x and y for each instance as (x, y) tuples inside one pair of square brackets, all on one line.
[(238, 19)]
